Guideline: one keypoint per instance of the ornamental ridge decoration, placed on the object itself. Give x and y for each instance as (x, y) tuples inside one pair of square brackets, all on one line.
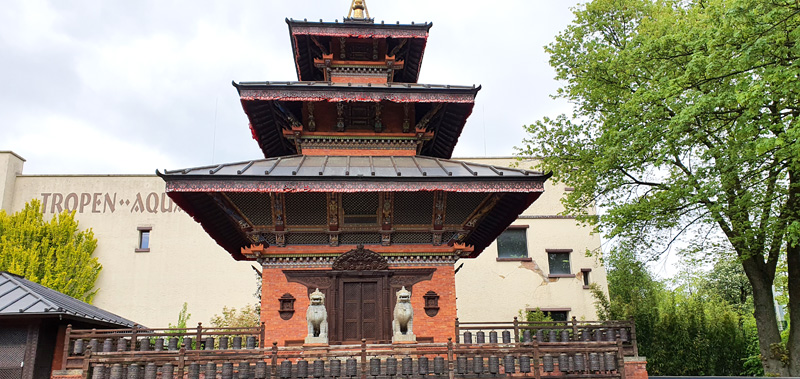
[(360, 259)]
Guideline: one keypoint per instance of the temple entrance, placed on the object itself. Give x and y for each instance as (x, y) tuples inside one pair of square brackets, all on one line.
[(362, 313), (359, 294)]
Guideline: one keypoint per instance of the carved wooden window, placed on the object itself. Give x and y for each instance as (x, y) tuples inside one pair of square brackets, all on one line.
[(360, 208), (413, 208), (361, 116), (286, 309), (431, 303), (255, 206), (513, 243), (461, 205), (359, 51), (306, 209)]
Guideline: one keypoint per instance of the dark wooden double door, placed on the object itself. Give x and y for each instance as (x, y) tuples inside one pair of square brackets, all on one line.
[(363, 311), (359, 302)]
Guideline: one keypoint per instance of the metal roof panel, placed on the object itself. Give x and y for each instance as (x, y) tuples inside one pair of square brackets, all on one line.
[(19, 296)]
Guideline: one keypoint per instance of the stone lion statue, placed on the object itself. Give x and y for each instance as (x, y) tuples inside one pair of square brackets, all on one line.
[(403, 323), (317, 318)]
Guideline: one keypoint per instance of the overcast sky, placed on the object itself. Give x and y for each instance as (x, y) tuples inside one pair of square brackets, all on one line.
[(125, 87)]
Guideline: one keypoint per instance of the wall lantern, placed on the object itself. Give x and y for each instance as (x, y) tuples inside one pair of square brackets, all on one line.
[(431, 303), (286, 309)]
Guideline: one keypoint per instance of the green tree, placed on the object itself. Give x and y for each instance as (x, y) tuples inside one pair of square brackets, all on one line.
[(673, 325), (247, 316), (686, 121), (633, 292), (55, 253)]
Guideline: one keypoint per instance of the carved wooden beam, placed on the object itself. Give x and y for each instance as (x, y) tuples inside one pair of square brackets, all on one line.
[(486, 206), (233, 214), (319, 45), (398, 47), (423, 123)]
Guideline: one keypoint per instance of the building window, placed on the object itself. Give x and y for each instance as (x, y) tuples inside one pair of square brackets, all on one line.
[(555, 314), (512, 244), (558, 260), (144, 239), (586, 282)]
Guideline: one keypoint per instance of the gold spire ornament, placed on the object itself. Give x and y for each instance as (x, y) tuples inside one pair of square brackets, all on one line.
[(358, 10)]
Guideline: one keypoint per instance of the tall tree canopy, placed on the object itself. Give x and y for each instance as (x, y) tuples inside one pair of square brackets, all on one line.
[(55, 253), (685, 122)]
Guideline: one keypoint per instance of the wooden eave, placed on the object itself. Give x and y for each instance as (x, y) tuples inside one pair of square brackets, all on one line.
[(304, 49), (194, 189), (266, 105)]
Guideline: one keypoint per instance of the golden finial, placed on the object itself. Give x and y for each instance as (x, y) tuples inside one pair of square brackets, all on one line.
[(358, 10)]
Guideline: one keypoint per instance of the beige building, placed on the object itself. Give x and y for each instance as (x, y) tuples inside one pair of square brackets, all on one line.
[(155, 257)]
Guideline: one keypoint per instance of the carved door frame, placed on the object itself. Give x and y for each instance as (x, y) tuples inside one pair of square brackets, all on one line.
[(359, 265), (336, 313)]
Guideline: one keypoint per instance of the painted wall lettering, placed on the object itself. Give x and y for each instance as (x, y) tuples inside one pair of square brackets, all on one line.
[(106, 203)]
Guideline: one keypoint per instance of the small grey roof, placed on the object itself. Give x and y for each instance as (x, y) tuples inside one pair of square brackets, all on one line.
[(19, 296), (395, 167)]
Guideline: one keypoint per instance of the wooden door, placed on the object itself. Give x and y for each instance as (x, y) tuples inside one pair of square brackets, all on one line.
[(360, 311)]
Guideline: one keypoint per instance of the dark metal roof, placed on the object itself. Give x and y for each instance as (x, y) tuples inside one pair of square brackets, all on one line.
[(304, 48), (330, 91), (194, 189), (19, 296), (380, 168), (265, 102)]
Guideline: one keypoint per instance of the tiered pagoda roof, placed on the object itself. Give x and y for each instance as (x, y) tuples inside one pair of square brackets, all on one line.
[(273, 107), (357, 153)]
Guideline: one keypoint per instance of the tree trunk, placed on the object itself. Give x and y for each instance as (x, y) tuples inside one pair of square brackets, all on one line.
[(793, 268), (766, 321), (793, 344)]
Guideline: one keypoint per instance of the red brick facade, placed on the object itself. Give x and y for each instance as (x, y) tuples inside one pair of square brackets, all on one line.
[(294, 330), (274, 285), (635, 368), (441, 326)]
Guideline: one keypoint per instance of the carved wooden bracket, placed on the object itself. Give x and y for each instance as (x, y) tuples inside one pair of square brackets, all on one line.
[(312, 123), (387, 210), (333, 211), (439, 199), (278, 215), (487, 205)]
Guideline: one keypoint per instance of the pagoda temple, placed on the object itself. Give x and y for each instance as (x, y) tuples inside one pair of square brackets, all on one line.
[(356, 195)]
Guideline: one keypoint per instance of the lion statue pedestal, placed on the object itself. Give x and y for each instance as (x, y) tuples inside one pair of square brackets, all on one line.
[(317, 318), (403, 322)]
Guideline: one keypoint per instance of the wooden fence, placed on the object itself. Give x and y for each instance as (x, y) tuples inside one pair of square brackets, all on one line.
[(544, 349), (576, 359), (548, 331)]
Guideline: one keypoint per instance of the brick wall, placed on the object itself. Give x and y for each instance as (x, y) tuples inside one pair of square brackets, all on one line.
[(276, 329), (275, 285), (635, 368), (442, 325)]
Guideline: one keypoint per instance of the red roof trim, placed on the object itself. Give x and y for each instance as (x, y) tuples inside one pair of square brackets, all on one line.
[(352, 186), (285, 94), (358, 31)]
